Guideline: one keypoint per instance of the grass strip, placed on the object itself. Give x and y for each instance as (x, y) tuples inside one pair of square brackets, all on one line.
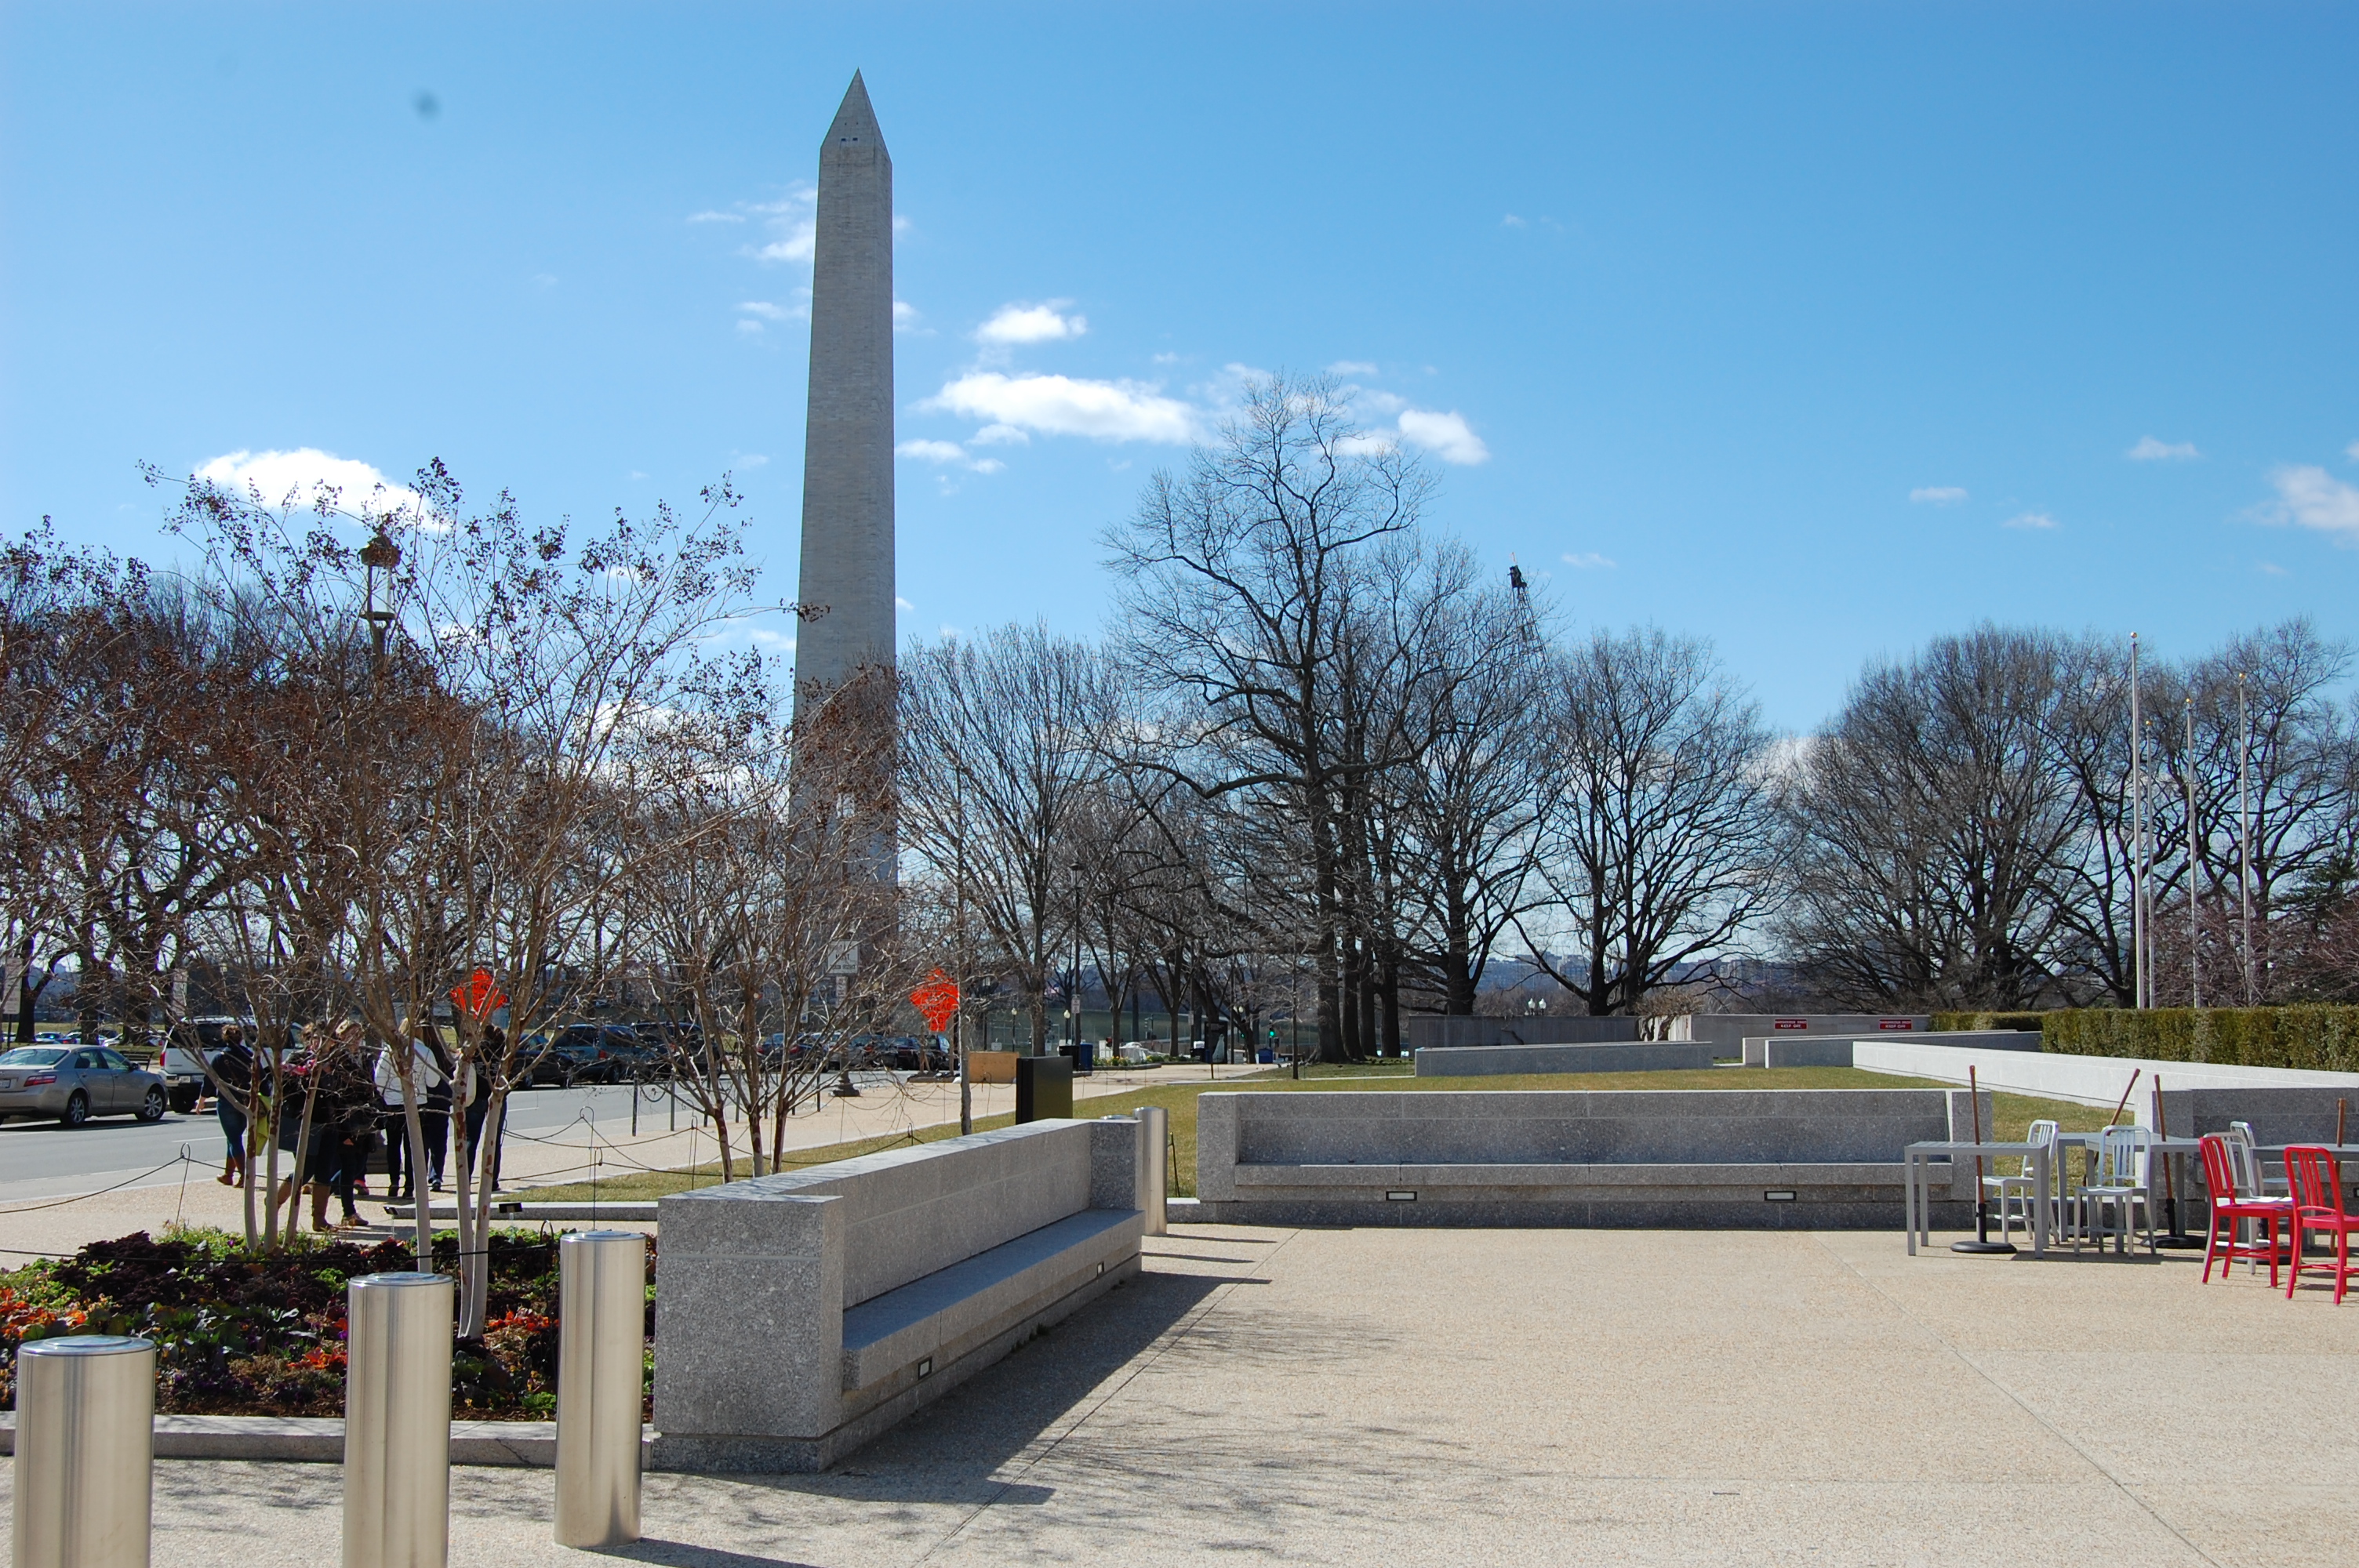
[(2012, 1115)]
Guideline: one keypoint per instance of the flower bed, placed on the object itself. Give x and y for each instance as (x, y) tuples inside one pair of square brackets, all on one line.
[(244, 1334)]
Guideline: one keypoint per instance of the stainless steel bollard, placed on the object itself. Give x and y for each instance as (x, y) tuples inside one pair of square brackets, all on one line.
[(1154, 1178), (85, 1452), (398, 1419), (601, 1364)]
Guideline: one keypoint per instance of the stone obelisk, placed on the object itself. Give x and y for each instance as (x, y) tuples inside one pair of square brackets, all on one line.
[(847, 551)]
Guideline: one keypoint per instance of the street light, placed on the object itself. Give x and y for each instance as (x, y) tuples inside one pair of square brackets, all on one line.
[(1074, 1000), (380, 555)]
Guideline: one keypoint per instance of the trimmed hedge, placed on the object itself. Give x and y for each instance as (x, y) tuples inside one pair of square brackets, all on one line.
[(1947, 1021), (2316, 1036)]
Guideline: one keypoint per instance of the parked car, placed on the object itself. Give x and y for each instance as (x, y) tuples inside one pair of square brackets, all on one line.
[(74, 1083), (583, 1054)]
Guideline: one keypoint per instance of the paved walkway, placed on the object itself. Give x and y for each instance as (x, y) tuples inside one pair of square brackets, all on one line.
[(1408, 1397), (38, 1218)]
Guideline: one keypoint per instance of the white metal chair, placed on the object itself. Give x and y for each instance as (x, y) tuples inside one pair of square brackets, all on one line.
[(2022, 1190), (2121, 1186), (2252, 1182)]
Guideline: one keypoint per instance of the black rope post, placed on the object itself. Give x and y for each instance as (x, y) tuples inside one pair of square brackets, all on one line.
[(1982, 1243)]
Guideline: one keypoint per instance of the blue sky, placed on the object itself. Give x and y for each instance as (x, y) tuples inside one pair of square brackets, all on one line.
[(1685, 302)]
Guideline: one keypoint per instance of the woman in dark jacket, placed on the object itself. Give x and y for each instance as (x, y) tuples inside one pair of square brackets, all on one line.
[(233, 1071), (343, 1101)]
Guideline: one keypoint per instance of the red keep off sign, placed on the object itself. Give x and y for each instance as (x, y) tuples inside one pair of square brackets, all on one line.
[(1895, 1024), (1791, 1023), (481, 996)]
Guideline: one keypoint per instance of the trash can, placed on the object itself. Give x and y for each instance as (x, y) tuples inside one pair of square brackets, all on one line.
[(1044, 1088)]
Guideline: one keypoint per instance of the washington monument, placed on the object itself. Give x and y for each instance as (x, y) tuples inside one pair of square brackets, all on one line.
[(847, 550)]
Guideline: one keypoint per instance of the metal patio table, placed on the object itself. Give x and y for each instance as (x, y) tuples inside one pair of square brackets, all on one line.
[(1915, 1169)]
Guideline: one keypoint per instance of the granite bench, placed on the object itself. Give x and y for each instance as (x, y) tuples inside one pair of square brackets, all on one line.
[(1618, 1056), (800, 1314), (1807, 1159)]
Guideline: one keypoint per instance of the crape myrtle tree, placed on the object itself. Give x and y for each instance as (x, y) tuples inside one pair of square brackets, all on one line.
[(759, 904), (552, 665)]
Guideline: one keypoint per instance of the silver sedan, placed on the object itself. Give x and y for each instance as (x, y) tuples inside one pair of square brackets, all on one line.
[(74, 1083)]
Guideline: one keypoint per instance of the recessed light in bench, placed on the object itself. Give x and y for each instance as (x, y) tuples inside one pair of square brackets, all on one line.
[(1400, 1197), (1778, 1194), (926, 1367)]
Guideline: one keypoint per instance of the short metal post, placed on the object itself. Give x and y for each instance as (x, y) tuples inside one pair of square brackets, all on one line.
[(398, 1419), (1154, 1178), (601, 1362), (85, 1452)]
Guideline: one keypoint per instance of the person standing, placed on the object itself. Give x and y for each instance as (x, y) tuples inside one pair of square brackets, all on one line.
[(393, 1112), (344, 1112), (434, 1119), (232, 1074)]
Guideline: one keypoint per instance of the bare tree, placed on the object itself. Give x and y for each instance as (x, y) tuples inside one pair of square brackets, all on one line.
[(1929, 821), (1237, 582), (1660, 830), (1004, 744)]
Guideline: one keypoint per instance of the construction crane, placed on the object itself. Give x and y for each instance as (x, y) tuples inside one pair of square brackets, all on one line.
[(1526, 622)]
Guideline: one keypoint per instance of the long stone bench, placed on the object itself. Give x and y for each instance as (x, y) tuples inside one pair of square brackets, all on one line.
[(799, 1315), (1807, 1159), (1619, 1057)]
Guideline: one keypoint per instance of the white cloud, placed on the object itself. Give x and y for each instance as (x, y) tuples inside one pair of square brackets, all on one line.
[(304, 474), (932, 451), (1174, 359), (1351, 367), (716, 217), (2149, 450), (2029, 520), (2311, 498), (752, 459), (1063, 406), (792, 221), (1446, 436), (1589, 560), (999, 435), (1512, 221), (768, 311), (750, 327), (947, 452), (2270, 568), (1042, 323), (1938, 494), (906, 316), (900, 603), (2352, 451), (1380, 402)]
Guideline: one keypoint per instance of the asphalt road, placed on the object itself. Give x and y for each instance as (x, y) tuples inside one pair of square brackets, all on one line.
[(42, 1159)]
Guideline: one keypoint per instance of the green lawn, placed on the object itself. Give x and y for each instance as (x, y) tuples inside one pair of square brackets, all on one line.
[(2012, 1113)]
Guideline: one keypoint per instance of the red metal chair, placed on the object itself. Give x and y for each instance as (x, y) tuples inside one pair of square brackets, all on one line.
[(2229, 1212), (2316, 1180)]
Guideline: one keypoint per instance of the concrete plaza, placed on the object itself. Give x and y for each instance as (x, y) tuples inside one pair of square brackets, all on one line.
[(1410, 1397)]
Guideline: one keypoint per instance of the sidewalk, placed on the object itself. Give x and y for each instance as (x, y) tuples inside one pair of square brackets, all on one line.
[(1417, 1397), (580, 1152)]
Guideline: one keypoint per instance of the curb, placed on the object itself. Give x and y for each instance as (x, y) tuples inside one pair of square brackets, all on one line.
[(320, 1440), (628, 1213)]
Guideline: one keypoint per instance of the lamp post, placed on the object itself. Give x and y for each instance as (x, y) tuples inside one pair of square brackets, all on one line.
[(1074, 1002), (379, 556)]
